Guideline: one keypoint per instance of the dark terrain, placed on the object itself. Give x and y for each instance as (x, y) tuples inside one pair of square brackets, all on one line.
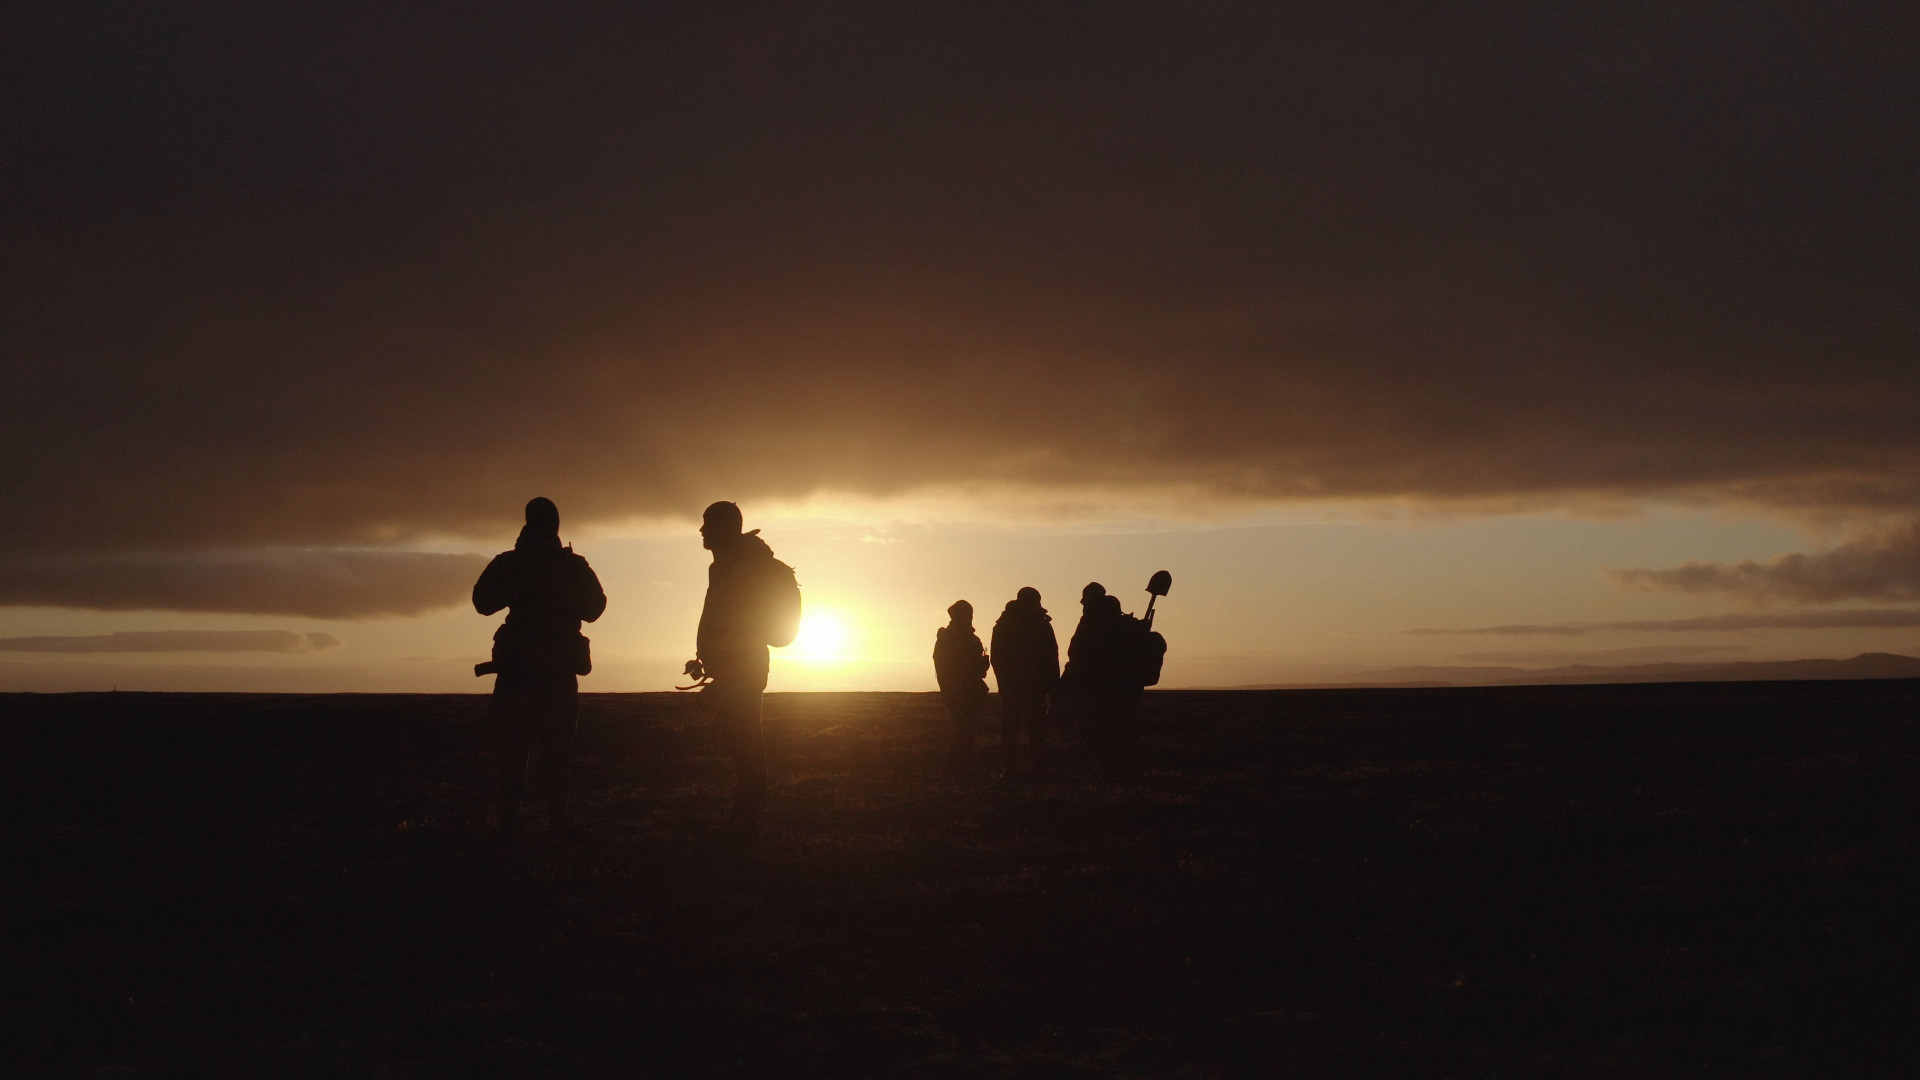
[(1589, 881)]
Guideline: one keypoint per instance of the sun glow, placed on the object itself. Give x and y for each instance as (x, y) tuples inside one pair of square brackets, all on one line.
[(823, 636)]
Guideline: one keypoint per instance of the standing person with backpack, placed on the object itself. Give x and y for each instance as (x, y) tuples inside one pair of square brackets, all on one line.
[(1026, 663), (538, 656), (960, 666), (1104, 677), (752, 602)]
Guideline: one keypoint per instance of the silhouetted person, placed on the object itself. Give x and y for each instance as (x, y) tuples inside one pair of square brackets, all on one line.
[(1026, 664), (1102, 673), (538, 655), (960, 665), (752, 602)]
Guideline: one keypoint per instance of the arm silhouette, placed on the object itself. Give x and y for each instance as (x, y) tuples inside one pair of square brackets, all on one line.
[(494, 590), (590, 600)]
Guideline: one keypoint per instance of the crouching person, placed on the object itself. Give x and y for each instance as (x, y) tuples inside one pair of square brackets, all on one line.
[(538, 656), (960, 665)]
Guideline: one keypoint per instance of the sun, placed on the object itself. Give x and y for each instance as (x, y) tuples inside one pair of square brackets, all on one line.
[(822, 637)]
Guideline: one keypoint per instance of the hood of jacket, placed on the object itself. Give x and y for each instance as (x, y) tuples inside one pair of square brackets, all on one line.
[(1016, 611), (749, 548), (537, 541)]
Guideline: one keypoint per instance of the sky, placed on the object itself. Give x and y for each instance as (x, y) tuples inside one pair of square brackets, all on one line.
[(1523, 333)]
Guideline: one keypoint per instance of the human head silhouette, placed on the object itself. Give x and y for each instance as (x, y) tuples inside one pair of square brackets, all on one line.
[(1090, 596), (542, 531), (961, 613), (719, 526), (1028, 595), (542, 515)]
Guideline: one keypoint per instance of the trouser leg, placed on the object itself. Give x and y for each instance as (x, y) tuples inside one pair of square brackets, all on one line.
[(559, 720), (1108, 723), (1021, 714), (1036, 717), (750, 763), (1126, 733), (965, 713), (1012, 705), (737, 709), (1085, 707), (515, 722), (1113, 726)]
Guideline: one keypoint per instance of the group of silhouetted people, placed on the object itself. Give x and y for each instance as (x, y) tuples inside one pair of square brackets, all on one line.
[(539, 653), (753, 604), (1111, 659)]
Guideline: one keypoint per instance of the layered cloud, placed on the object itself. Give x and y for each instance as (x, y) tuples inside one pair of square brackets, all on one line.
[(174, 641), (1639, 654), (287, 280), (1843, 619), (1885, 567), (326, 584)]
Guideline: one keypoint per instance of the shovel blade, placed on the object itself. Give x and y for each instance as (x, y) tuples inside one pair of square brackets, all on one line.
[(1160, 583)]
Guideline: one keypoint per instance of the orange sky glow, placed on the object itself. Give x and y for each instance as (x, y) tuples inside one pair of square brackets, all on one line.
[(1457, 337)]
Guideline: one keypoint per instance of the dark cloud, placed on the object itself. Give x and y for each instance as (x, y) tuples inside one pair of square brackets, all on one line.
[(1846, 619), (159, 641), (291, 276), (179, 674), (1883, 567), (325, 584)]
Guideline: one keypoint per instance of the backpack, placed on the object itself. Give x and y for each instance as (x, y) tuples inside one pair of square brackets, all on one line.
[(779, 601), (1150, 651)]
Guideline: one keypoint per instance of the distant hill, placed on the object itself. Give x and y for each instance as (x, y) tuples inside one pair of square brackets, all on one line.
[(1864, 666)]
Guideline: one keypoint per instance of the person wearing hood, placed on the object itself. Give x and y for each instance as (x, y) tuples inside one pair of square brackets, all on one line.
[(960, 666), (1101, 676), (538, 656), (752, 602), (1026, 665)]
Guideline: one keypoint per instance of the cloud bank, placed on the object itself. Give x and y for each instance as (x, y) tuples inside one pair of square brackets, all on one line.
[(1883, 567), (288, 280), (323, 584), (170, 641), (1638, 654), (1847, 619)]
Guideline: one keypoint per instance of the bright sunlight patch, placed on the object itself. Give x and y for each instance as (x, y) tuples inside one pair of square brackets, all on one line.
[(823, 636)]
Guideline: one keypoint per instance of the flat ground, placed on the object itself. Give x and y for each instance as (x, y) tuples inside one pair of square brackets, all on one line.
[(1607, 881)]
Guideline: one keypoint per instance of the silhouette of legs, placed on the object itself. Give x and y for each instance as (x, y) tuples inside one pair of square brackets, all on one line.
[(965, 710), (1074, 709), (736, 710), (1124, 748), (1110, 726), (546, 720), (1023, 711)]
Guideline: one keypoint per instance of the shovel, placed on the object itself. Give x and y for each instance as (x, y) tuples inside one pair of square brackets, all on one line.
[(1157, 586)]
